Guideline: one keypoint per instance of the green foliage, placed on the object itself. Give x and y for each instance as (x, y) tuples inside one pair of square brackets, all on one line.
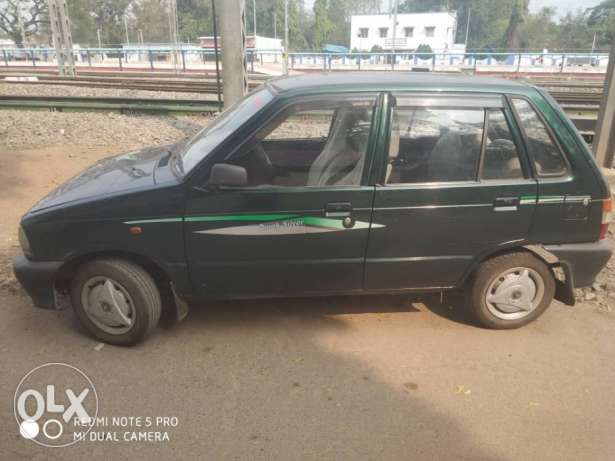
[(322, 24), (494, 24), (376, 49), (424, 48)]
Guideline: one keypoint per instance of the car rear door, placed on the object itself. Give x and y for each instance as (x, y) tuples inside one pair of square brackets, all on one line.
[(302, 222), (456, 185)]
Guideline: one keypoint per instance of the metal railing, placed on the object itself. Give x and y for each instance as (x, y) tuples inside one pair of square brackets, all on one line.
[(193, 58)]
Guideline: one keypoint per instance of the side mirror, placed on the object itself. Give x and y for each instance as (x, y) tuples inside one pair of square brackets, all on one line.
[(225, 175)]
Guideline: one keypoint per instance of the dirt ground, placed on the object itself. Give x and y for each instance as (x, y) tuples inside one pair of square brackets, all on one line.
[(375, 377)]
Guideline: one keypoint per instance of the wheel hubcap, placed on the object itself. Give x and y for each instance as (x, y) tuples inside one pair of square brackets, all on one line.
[(515, 293), (108, 305)]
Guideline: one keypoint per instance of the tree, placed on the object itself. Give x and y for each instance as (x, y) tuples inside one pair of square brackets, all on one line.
[(322, 25), (602, 20), (539, 31), (34, 16), (512, 38), (195, 20)]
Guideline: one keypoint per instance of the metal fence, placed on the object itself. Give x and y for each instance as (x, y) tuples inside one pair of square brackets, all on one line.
[(194, 58)]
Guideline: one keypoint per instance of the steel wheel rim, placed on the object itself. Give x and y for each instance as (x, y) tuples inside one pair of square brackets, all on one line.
[(515, 293), (108, 305)]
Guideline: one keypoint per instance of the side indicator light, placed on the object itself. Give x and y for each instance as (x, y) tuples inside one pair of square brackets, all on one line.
[(607, 217), (135, 230)]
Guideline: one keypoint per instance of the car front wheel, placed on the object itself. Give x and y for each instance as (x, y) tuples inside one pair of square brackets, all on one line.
[(511, 290), (116, 300)]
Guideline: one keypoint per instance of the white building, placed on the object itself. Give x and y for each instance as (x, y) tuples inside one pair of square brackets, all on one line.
[(434, 29)]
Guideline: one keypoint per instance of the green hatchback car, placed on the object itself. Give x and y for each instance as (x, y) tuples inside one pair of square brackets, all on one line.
[(328, 184)]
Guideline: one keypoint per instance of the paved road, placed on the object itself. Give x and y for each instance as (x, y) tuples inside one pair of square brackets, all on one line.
[(334, 378)]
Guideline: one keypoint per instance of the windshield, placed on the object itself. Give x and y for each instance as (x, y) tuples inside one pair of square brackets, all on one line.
[(217, 131)]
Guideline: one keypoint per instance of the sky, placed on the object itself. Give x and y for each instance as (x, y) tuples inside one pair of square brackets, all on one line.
[(562, 6)]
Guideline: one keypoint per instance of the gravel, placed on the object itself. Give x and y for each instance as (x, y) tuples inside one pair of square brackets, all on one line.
[(39, 128), (30, 89)]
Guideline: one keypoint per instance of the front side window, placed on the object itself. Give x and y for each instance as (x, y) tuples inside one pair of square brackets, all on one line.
[(501, 159), (363, 32), (548, 160), (430, 31), (384, 32), (434, 144), (312, 143), (217, 131)]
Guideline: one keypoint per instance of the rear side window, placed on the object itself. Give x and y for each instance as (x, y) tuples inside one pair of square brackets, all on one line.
[(501, 159), (434, 144), (548, 160)]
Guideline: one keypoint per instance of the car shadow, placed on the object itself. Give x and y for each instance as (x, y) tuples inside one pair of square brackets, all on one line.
[(341, 377), (450, 306)]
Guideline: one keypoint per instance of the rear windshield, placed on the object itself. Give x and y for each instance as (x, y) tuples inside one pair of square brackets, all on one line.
[(217, 131)]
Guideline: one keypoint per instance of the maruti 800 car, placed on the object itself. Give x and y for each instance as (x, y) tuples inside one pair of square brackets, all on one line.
[(329, 184)]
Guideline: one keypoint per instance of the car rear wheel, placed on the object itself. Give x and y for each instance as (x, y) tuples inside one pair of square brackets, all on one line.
[(511, 290), (116, 300)]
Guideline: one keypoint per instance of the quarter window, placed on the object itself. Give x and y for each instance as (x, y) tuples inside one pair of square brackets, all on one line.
[(434, 144), (315, 143), (548, 160), (501, 159)]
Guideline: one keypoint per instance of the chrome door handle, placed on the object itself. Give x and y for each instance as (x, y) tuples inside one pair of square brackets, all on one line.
[(506, 204), (338, 209)]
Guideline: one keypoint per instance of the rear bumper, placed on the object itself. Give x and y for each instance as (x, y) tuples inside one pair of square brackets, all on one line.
[(38, 279), (582, 261)]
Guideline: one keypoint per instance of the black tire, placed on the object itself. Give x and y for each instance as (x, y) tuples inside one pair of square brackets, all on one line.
[(141, 288), (486, 274)]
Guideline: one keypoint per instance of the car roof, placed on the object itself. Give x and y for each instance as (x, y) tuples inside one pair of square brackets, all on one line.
[(382, 81)]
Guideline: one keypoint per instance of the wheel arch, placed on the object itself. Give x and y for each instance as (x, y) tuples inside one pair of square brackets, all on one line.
[(532, 249), (176, 307), (564, 283), (68, 269)]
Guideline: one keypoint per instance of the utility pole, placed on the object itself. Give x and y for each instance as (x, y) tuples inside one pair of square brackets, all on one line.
[(126, 29), (254, 17), (99, 39), (173, 32), (275, 25), (219, 90), (62, 39), (394, 34), (285, 37), (232, 32), (467, 29), (604, 139)]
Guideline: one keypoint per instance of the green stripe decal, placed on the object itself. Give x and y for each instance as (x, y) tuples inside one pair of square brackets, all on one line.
[(154, 221), (241, 217)]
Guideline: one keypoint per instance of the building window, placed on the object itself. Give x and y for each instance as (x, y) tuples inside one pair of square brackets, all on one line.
[(409, 32), (363, 32), (384, 32), (430, 31)]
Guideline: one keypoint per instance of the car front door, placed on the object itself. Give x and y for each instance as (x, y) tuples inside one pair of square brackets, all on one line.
[(456, 186), (301, 222)]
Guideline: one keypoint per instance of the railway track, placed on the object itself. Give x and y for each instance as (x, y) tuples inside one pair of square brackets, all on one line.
[(579, 98), (127, 106)]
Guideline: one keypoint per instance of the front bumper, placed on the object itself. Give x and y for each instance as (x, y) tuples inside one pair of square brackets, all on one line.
[(38, 279)]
